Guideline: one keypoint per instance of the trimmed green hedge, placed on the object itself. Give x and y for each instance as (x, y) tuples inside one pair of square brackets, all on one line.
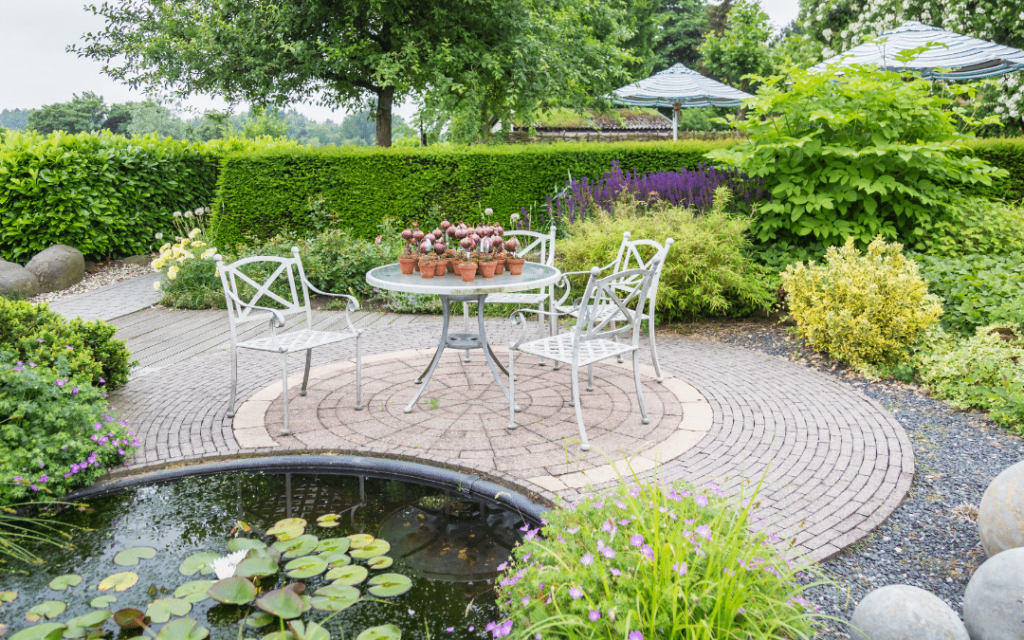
[(1007, 153), (264, 193)]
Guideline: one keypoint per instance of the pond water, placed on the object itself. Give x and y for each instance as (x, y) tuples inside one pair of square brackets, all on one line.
[(446, 542)]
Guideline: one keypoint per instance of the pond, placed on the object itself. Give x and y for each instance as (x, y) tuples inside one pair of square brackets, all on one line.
[(345, 538)]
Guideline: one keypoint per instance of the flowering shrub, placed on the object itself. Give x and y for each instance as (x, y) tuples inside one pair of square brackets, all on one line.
[(56, 432), (651, 561), (190, 273), (84, 351), (861, 309)]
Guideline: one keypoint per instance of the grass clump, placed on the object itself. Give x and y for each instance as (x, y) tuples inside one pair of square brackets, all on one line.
[(651, 561)]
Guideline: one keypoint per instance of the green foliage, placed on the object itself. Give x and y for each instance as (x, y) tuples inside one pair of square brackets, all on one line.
[(980, 227), (707, 272), (49, 443), (82, 113), (1005, 153), (861, 309), (978, 290), (265, 193), (103, 194), (985, 371), (743, 48), (654, 559), (16, 119), (683, 23), (858, 157), (85, 352)]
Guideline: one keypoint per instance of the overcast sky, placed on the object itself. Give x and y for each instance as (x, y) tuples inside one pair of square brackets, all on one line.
[(35, 69)]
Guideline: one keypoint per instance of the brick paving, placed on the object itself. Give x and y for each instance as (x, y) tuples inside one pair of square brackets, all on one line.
[(832, 463), (112, 301)]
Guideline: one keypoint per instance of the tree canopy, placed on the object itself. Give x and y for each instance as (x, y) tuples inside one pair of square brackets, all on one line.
[(86, 112)]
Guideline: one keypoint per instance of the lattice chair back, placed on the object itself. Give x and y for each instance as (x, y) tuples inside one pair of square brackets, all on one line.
[(626, 291), (255, 306), (631, 256), (535, 243)]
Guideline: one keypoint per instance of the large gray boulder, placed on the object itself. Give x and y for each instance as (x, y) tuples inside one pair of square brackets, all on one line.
[(1001, 514), (57, 268), (903, 612), (17, 281), (994, 600)]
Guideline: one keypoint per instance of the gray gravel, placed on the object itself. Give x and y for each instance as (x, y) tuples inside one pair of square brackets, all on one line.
[(931, 541)]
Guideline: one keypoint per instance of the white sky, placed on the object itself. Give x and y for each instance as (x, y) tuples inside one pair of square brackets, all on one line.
[(35, 69)]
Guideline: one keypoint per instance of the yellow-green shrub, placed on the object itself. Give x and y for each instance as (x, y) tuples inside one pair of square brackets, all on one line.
[(861, 309)]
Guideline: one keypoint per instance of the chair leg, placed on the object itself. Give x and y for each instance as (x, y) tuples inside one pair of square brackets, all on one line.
[(540, 328), (234, 382), (465, 327), (639, 391), (554, 330), (359, 372), (590, 377), (511, 389), (618, 358), (305, 376), (579, 410), (284, 395), (654, 350)]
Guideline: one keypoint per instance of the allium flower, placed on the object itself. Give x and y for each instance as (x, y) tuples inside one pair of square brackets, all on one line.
[(158, 236), (188, 214), (177, 214), (575, 592)]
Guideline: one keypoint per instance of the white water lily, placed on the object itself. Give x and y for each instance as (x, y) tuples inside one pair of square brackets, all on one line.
[(225, 567)]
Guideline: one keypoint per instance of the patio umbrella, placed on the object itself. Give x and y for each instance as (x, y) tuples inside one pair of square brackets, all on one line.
[(678, 87), (965, 58)]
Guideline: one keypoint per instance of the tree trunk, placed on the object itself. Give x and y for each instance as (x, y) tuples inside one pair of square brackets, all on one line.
[(385, 98)]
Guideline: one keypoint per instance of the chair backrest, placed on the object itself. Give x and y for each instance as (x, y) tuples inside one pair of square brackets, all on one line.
[(631, 257), (533, 242), (597, 317), (295, 299)]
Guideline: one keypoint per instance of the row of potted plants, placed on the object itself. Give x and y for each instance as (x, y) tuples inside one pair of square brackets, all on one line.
[(484, 250)]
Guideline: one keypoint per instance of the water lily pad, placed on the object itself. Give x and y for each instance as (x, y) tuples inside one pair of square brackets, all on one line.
[(384, 632), (182, 629), (334, 597), (201, 562), (102, 602), (287, 529), (328, 520), (119, 581), (336, 558), (233, 590), (259, 619), (306, 567), (380, 562), (360, 540), (279, 635), (49, 609), (194, 591), (308, 631), (8, 596), (301, 546), (61, 583), (89, 620), (334, 544), (45, 631), (352, 574), (256, 567), (238, 544), (376, 548), (284, 603), (161, 610), (129, 618), (132, 557), (389, 585)]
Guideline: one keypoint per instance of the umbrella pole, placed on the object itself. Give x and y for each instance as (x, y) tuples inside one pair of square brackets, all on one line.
[(675, 121)]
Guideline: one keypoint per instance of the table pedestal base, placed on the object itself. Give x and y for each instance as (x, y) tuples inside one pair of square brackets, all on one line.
[(464, 341)]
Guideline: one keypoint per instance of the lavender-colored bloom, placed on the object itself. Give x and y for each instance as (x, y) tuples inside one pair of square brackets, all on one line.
[(32, 364), (595, 615), (70, 348), (573, 530), (575, 592), (636, 540), (44, 478), (40, 340), (647, 552), (615, 572), (449, 629), (587, 560), (607, 552), (635, 635), (598, 505), (102, 381), (120, 452), (502, 566), (74, 390), (704, 531), (97, 426), (17, 368), (701, 500), (525, 600), (60, 383), (634, 491), (680, 568), (620, 504), (609, 527)]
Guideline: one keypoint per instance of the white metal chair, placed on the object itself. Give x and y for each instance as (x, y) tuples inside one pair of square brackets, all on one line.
[(307, 339), (541, 247), (630, 256), (595, 336)]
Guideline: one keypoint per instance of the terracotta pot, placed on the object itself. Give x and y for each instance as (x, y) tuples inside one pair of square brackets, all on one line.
[(451, 266), (515, 266), (427, 269), (499, 267), (468, 271), (407, 265), (441, 269), (487, 269)]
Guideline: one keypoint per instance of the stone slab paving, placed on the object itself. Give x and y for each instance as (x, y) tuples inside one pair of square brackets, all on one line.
[(831, 462), (112, 301)]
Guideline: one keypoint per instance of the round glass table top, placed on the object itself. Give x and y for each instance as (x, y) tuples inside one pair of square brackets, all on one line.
[(390, 277)]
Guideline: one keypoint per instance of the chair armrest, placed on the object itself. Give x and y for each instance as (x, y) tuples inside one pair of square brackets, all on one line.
[(353, 303), (518, 318), (277, 319)]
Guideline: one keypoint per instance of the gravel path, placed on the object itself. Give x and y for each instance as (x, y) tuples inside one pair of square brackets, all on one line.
[(931, 541), (107, 273)]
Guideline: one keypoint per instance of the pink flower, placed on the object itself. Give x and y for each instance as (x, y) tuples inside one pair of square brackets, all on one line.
[(701, 500), (449, 629), (634, 491), (636, 540), (575, 592), (70, 348), (647, 552), (502, 566), (40, 340), (587, 560), (680, 568), (573, 530), (615, 572), (74, 390), (17, 368), (635, 635), (595, 615), (531, 534), (60, 383)]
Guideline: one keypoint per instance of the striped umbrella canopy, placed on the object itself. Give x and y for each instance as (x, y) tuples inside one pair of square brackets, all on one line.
[(962, 57), (679, 86)]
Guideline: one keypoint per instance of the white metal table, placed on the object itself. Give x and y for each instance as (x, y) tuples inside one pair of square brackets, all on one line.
[(451, 287)]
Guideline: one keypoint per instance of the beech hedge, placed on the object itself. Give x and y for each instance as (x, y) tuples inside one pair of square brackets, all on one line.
[(267, 192), (1006, 153)]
